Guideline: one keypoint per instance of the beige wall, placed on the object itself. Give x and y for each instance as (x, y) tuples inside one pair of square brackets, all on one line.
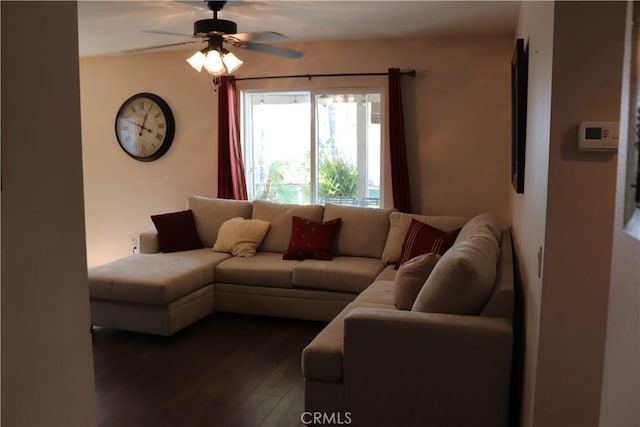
[(621, 377), (120, 192), (47, 369), (566, 308), (529, 209), (456, 111), (579, 214)]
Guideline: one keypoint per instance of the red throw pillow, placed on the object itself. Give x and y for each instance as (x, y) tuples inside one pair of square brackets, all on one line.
[(177, 231), (311, 239), (422, 239)]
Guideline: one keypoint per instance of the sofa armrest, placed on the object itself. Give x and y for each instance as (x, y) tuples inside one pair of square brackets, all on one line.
[(410, 368), (149, 242)]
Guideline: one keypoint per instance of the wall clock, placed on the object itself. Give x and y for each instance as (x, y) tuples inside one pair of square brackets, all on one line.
[(145, 127)]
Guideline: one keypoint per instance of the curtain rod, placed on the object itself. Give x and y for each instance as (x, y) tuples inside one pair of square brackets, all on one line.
[(410, 73)]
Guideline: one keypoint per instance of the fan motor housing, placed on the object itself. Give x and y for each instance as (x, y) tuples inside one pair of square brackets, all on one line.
[(206, 27)]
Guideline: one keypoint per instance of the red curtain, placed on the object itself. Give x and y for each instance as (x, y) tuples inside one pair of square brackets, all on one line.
[(399, 168), (231, 180)]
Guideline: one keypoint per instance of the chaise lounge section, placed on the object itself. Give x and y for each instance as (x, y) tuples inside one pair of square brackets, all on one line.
[(161, 293)]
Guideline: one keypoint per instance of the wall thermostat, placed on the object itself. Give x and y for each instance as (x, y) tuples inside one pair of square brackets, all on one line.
[(598, 136)]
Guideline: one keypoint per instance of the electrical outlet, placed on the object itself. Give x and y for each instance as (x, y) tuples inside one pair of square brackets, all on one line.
[(539, 262), (134, 244)]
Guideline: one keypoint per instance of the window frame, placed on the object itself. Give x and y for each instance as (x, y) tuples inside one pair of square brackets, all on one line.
[(313, 92)]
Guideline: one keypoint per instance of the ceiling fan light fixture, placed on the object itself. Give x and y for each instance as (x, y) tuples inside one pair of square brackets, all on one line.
[(215, 32), (197, 60), (213, 63), (231, 61)]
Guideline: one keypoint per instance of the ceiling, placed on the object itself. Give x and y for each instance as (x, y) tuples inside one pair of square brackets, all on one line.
[(111, 27)]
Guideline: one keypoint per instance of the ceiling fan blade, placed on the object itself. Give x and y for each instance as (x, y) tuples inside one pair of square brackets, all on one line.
[(265, 36), (162, 46), (273, 50), (168, 33)]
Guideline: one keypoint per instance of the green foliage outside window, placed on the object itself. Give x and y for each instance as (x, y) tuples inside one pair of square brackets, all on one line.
[(337, 178)]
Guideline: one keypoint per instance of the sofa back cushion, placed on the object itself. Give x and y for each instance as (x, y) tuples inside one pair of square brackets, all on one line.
[(463, 279), (363, 232), (210, 214), (399, 225), (481, 224), (280, 216)]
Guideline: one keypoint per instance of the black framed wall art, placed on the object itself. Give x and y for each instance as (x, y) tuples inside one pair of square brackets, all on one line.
[(519, 76)]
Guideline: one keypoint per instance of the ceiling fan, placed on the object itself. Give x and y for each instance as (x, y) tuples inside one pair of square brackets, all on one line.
[(217, 32)]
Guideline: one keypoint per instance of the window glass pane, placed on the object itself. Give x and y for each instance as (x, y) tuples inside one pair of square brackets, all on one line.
[(277, 146), (348, 135), (340, 165)]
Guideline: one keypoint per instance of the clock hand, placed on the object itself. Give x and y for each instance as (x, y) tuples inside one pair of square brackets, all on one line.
[(143, 123), (140, 126)]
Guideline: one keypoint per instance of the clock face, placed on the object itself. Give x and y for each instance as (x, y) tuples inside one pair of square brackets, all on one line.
[(145, 127)]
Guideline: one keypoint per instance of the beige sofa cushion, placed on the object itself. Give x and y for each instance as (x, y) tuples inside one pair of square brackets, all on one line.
[(241, 237), (462, 281), (379, 292), (363, 232), (263, 269), (210, 214), (410, 278), (389, 273), (480, 225), (344, 274), (280, 217), (154, 278), (399, 224)]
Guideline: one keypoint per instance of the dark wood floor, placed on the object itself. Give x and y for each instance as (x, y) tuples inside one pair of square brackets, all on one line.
[(226, 370)]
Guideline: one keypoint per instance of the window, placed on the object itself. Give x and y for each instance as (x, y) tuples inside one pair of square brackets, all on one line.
[(313, 147)]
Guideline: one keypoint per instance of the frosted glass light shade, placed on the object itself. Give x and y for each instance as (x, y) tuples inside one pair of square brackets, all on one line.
[(231, 61), (214, 64), (197, 61)]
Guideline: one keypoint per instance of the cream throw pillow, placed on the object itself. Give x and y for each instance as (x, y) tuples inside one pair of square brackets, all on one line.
[(240, 236), (410, 278)]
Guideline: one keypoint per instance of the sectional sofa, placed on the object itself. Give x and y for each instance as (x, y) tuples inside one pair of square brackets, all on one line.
[(445, 360)]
